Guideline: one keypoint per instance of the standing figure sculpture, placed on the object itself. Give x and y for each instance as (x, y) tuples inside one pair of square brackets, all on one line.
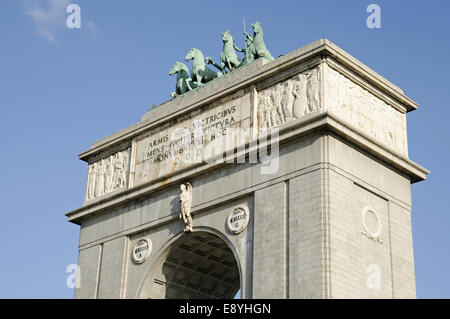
[(200, 73), (249, 51), (184, 82), (185, 205), (258, 42)]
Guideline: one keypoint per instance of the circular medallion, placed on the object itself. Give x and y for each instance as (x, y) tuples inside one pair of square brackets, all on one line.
[(142, 250), (238, 219), (374, 230)]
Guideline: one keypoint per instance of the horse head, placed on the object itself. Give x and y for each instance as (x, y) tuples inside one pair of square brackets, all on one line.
[(191, 54), (256, 27), (227, 37), (177, 66), (196, 55)]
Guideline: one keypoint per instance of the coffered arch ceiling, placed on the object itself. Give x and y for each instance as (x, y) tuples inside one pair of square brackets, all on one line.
[(197, 265)]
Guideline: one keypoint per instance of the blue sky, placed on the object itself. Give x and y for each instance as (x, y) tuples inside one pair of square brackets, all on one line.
[(62, 89)]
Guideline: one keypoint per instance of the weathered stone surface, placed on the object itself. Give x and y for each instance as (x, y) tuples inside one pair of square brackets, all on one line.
[(185, 142)]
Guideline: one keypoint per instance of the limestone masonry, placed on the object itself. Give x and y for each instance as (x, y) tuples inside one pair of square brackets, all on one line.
[(284, 179)]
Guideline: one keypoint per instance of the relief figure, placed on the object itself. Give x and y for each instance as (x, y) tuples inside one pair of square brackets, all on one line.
[(287, 101), (300, 99), (91, 182), (276, 113), (312, 91), (99, 179), (119, 179), (107, 174)]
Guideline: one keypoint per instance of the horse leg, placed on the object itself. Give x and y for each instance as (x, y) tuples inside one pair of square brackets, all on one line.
[(188, 85), (182, 87), (222, 63), (231, 66), (219, 67), (196, 79)]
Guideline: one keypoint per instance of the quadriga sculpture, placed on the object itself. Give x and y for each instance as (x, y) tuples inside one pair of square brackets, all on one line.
[(200, 73), (184, 82)]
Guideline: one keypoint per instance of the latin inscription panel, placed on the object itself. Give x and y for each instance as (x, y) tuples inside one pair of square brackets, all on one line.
[(191, 139)]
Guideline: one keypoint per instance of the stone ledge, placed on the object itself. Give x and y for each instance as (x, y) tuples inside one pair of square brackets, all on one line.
[(309, 124)]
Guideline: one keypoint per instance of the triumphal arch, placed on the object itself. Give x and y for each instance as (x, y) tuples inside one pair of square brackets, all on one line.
[(282, 177)]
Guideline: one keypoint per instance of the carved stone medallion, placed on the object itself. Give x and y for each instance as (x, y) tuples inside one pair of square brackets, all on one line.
[(141, 250), (373, 229), (238, 219)]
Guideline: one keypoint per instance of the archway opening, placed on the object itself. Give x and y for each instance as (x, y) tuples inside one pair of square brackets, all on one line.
[(197, 265)]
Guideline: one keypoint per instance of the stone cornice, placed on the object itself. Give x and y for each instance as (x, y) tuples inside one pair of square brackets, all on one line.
[(312, 123)]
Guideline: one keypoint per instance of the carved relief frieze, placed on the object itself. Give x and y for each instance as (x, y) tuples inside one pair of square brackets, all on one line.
[(107, 174), (365, 111), (289, 100)]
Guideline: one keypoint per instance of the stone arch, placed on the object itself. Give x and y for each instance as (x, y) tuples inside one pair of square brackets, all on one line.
[(199, 264)]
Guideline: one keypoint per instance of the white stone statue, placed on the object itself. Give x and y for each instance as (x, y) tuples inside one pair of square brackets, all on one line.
[(185, 205)]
